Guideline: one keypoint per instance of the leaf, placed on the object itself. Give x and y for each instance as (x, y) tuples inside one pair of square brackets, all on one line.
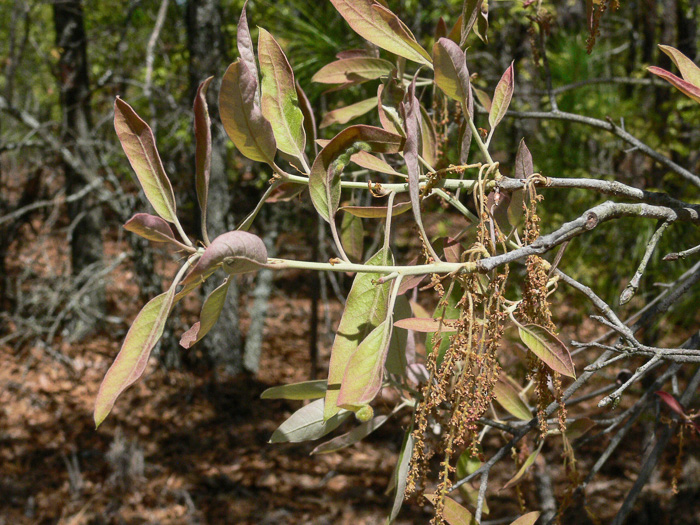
[(453, 513), (578, 428), (672, 403), (685, 87), (359, 69), (352, 236), (350, 438), (452, 249), (501, 97), (523, 169), (241, 116), (365, 308), (353, 53), (211, 311), (308, 112), (426, 325), (237, 251), (389, 98), (383, 28), (470, 11), (483, 98), (131, 361), (508, 398), (280, 103), (324, 180), (346, 114), (245, 49), (307, 424), (689, 71), (150, 227), (297, 391), (428, 138), (365, 369), (411, 113), (139, 145), (368, 161), (377, 212), (524, 468), (451, 73), (545, 345), (202, 156), (468, 464), (465, 142), (286, 192), (401, 473), (402, 347), (446, 311), (527, 519)]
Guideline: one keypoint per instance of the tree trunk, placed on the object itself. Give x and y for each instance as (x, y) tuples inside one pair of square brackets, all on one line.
[(85, 215), (208, 57)]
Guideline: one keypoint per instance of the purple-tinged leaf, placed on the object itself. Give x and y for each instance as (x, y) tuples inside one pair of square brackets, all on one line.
[(359, 69), (411, 111), (455, 33), (427, 324), (398, 479), (524, 468), (689, 71), (297, 391), (202, 156), (452, 249), (307, 424), (211, 311), (286, 192), (501, 97), (683, 86), (348, 439), (528, 519), (377, 212), (353, 53), (280, 103), (483, 98), (131, 361), (242, 117), (545, 345), (451, 73), (452, 512), (440, 29), (410, 282), (470, 11), (236, 251), (465, 142), (523, 162), (389, 98), (150, 227), (324, 181), (365, 308), (352, 236), (309, 118), (246, 50), (139, 145), (383, 28), (508, 398), (368, 161), (672, 403), (402, 348), (428, 138), (347, 113)]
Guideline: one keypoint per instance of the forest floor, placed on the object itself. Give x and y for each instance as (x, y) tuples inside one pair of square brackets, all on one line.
[(185, 447)]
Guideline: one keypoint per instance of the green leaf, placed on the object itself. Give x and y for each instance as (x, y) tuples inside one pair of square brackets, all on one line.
[(527, 519), (501, 97), (524, 468), (365, 369), (453, 513), (377, 212), (689, 71), (139, 145), (150, 227), (483, 98), (468, 464), (241, 116), (383, 28), (358, 69), (688, 89), (545, 345), (297, 391), (307, 424), (347, 113), (308, 112), (348, 439), (324, 181), (508, 398), (390, 95), (352, 236), (446, 310), (202, 156), (427, 324), (211, 311), (451, 73), (398, 479), (470, 11), (365, 308), (401, 349), (280, 104), (236, 251), (428, 138), (131, 361)]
